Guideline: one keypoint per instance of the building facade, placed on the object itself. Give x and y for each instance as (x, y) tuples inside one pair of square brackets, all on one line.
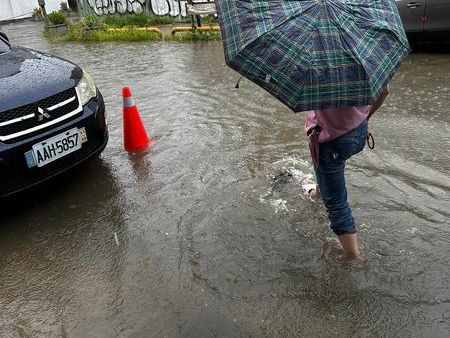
[(19, 9)]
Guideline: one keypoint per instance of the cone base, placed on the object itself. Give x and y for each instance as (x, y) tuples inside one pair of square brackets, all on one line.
[(138, 148)]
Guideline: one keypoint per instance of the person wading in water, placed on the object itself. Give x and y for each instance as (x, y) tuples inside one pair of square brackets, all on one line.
[(334, 136)]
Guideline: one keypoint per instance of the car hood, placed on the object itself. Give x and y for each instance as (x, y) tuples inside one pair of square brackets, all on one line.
[(27, 76)]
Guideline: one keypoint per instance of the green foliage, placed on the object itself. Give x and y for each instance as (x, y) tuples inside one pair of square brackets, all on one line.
[(78, 32), (161, 20), (89, 30), (89, 22), (126, 20), (195, 35), (57, 18), (210, 20), (84, 30), (94, 28), (126, 35), (138, 20)]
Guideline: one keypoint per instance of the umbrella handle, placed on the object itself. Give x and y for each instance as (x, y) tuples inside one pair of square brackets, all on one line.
[(370, 141)]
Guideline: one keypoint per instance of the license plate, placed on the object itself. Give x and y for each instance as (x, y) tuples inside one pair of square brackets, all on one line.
[(55, 147)]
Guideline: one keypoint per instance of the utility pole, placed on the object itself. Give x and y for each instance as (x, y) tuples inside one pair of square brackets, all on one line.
[(44, 12)]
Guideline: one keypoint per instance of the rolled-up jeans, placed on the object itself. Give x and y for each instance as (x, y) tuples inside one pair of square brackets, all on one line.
[(331, 180)]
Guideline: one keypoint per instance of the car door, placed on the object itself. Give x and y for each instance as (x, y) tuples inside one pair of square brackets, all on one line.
[(437, 25), (412, 13)]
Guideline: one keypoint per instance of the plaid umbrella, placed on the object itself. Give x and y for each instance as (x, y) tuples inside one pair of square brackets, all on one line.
[(314, 54)]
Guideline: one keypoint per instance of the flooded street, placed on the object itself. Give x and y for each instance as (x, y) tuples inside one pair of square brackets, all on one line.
[(209, 234)]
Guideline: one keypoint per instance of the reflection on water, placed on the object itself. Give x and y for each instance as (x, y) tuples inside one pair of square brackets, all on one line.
[(58, 254), (215, 237)]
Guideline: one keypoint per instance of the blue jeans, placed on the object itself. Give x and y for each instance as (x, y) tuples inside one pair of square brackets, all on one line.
[(331, 180)]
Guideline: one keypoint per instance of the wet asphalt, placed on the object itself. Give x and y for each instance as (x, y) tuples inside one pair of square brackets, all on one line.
[(208, 234)]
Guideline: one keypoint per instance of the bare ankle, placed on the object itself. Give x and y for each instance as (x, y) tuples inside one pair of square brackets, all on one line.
[(349, 243), (352, 255)]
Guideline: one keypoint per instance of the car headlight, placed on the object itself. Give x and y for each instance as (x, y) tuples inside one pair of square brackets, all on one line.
[(86, 89)]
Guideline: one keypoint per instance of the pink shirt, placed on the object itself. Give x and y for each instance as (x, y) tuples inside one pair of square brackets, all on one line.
[(331, 124), (335, 122)]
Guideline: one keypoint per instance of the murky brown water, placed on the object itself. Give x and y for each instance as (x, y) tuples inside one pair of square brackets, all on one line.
[(209, 244)]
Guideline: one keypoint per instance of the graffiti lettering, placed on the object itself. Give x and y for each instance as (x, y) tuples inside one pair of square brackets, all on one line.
[(168, 7), (107, 7), (174, 8)]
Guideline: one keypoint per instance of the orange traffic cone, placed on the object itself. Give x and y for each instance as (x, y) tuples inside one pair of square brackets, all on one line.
[(134, 135)]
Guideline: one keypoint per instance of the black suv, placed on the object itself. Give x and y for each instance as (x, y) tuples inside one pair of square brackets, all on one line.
[(52, 117)]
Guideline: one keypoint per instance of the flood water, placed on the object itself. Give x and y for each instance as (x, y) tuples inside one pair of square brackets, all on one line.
[(214, 238)]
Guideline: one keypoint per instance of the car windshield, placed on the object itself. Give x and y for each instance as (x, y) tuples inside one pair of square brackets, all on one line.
[(3, 46)]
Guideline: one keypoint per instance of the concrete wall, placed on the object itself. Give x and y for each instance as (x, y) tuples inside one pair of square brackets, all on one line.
[(17, 9), (117, 7)]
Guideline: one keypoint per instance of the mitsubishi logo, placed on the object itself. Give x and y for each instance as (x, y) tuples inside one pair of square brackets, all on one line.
[(42, 113)]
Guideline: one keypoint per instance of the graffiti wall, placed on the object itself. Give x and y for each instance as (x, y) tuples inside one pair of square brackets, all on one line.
[(168, 7), (117, 7), (102, 7)]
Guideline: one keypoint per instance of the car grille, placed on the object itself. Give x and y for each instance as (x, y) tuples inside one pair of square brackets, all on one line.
[(20, 179), (27, 120)]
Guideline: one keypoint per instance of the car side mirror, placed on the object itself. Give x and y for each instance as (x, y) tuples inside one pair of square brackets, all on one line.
[(4, 36)]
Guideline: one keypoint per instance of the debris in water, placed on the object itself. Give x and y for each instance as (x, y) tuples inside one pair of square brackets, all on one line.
[(116, 238)]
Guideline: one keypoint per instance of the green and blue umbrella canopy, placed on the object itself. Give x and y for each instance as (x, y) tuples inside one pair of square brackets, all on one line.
[(314, 54)]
